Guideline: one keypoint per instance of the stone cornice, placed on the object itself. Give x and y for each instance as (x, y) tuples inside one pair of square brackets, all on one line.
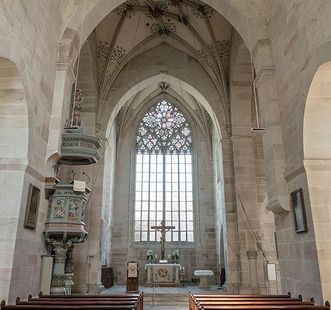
[(295, 173)]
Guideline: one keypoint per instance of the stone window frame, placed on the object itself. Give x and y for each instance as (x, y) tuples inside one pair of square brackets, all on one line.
[(191, 118)]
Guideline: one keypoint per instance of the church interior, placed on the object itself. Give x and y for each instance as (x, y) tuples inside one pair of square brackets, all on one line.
[(165, 143)]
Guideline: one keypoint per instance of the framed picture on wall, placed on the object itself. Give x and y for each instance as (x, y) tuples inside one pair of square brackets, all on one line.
[(299, 212), (31, 212)]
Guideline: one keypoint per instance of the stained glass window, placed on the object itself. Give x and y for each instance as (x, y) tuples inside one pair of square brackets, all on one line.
[(164, 175)]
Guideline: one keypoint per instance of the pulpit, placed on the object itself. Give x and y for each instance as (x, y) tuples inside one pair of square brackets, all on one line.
[(163, 274)]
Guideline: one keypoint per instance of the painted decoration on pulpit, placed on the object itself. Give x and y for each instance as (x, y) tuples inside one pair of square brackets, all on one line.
[(31, 212), (74, 210), (59, 209)]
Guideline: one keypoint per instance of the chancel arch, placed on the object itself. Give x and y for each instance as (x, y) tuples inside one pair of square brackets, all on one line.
[(125, 77), (124, 244)]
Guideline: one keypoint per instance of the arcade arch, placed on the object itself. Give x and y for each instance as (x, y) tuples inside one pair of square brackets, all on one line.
[(317, 163)]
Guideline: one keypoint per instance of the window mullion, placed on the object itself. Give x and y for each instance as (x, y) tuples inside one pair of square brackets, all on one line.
[(178, 198), (163, 188), (185, 171), (149, 197), (141, 200)]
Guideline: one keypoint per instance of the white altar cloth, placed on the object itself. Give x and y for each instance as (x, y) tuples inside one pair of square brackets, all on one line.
[(163, 274), (203, 275)]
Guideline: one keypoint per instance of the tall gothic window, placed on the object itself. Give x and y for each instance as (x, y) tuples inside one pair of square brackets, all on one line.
[(164, 175)]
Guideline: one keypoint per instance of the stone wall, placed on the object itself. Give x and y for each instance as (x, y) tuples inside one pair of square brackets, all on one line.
[(299, 37), (29, 38)]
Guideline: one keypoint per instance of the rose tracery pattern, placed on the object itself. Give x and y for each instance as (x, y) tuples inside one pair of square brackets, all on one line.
[(164, 130)]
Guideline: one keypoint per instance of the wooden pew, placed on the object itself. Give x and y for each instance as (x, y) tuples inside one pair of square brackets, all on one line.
[(82, 302), (288, 295), (224, 297), (232, 302), (79, 302), (124, 295), (67, 307), (262, 307), (116, 299)]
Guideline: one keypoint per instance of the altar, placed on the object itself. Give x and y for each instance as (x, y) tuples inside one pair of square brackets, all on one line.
[(163, 274)]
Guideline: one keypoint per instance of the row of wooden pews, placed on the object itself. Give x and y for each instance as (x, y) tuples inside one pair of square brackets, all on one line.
[(81, 302), (251, 302)]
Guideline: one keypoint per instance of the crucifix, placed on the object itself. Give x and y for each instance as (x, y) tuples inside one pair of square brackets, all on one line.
[(163, 229)]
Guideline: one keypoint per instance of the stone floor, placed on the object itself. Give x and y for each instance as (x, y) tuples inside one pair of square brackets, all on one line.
[(166, 298)]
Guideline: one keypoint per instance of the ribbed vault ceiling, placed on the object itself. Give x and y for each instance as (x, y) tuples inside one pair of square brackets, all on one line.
[(138, 25)]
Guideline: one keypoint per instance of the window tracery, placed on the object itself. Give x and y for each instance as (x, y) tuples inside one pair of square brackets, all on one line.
[(163, 187)]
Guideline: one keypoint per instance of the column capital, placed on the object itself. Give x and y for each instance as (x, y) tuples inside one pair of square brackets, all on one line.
[(262, 73), (66, 67)]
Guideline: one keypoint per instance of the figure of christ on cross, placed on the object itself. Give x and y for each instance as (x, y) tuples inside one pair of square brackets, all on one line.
[(163, 229)]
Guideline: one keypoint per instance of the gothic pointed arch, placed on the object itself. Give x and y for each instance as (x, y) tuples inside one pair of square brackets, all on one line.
[(163, 180)]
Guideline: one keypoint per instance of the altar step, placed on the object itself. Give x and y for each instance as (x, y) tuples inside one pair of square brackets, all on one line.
[(169, 299)]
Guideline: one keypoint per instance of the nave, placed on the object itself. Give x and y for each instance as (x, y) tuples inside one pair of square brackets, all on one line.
[(189, 133)]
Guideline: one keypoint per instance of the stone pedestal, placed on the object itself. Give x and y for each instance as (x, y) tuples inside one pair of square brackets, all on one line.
[(59, 278), (203, 275)]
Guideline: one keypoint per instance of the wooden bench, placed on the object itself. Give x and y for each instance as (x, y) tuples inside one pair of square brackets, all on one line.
[(82, 302), (194, 299), (64, 298), (78, 302), (288, 295), (89, 296), (250, 302), (67, 307), (108, 299), (262, 307)]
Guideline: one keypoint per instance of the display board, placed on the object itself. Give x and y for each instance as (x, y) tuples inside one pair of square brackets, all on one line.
[(132, 281)]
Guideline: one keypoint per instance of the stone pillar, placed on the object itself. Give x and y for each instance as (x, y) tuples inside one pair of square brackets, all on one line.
[(319, 184), (60, 109), (272, 141), (58, 278), (69, 270), (231, 242), (252, 258)]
